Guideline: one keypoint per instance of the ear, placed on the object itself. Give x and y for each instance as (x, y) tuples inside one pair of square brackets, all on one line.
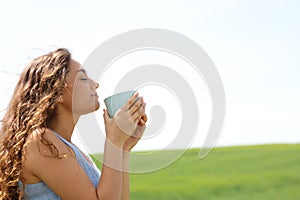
[(61, 99), (68, 88)]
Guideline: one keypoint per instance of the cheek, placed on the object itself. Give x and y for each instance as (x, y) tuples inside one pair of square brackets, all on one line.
[(80, 89), (80, 93), (82, 102)]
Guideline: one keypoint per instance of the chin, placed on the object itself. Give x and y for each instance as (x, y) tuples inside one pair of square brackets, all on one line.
[(97, 106), (89, 109), (94, 108)]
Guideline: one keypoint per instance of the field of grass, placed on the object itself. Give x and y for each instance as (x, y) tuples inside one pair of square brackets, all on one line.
[(236, 173)]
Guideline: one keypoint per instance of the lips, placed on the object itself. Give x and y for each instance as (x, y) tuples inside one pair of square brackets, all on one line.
[(94, 95)]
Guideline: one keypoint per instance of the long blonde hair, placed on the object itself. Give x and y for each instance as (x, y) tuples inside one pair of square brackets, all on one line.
[(32, 107)]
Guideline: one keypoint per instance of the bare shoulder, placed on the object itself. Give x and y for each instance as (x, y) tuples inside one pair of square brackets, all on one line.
[(62, 174), (39, 143), (37, 153)]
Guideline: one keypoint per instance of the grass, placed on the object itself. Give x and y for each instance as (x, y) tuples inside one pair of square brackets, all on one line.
[(233, 173)]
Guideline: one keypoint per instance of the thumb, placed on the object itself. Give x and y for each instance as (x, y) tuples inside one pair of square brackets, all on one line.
[(105, 116)]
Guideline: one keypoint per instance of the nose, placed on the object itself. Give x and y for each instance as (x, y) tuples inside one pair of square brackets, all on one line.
[(97, 85), (94, 84)]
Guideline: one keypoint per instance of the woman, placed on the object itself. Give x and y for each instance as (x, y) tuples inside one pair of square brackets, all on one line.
[(37, 157)]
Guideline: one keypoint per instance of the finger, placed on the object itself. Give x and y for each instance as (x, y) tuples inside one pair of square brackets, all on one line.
[(144, 105), (144, 118), (105, 116), (137, 134), (142, 123), (138, 114), (131, 101), (136, 106)]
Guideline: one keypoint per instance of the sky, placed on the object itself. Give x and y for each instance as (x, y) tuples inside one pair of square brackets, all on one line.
[(254, 45)]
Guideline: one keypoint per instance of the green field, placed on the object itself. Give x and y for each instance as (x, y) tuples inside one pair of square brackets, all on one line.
[(247, 172)]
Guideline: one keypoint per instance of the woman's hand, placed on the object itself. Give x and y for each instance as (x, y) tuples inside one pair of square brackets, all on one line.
[(127, 121), (136, 136)]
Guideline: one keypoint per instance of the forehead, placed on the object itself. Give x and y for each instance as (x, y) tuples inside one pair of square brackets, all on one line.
[(75, 68)]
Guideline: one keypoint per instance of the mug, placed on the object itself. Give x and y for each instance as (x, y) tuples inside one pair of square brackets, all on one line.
[(115, 102)]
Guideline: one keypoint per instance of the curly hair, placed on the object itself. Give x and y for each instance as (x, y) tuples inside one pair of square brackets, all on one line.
[(32, 107)]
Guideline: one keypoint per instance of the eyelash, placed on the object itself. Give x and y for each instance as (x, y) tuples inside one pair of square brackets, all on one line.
[(84, 79)]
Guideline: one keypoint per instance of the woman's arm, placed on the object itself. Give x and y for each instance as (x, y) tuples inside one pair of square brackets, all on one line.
[(126, 181), (129, 144), (110, 185), (137, 112), (65, 176)]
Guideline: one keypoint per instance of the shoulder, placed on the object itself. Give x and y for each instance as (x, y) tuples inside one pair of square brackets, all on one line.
[(63, 175), (40, 142), (40, 149)]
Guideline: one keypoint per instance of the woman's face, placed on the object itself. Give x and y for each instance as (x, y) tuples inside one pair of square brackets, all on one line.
[(80, 96)]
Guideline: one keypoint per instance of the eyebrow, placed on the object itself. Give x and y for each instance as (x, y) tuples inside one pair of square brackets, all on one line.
[(81, 70)]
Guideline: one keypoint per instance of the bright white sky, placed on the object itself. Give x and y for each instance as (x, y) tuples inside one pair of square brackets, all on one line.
[(254, 44)]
